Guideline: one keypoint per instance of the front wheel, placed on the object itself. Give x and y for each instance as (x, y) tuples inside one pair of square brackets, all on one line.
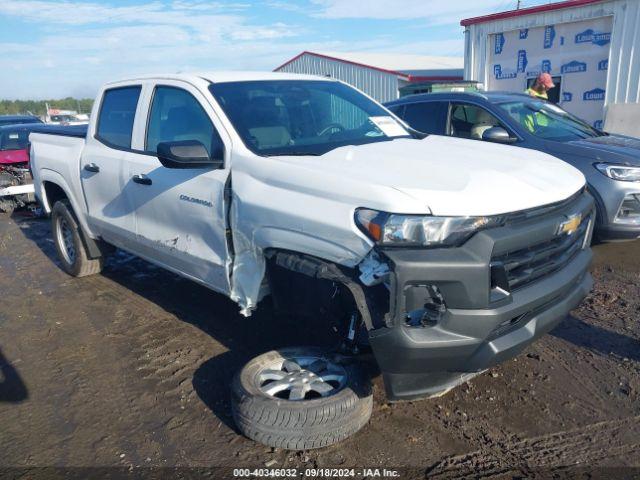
[(301, 398), (69, 245)]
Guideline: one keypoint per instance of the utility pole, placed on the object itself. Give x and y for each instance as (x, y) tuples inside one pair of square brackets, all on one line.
[(518, 5)]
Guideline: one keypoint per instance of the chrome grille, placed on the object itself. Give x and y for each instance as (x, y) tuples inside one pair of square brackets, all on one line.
[(529, 264)]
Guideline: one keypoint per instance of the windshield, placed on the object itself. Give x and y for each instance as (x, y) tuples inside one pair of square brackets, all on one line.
[(14, 140), (548, 121), (303, 117)]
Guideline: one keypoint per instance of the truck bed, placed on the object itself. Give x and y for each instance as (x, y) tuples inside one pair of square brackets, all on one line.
[(55, 157)]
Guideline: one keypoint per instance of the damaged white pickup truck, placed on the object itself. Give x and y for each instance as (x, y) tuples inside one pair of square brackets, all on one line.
[(441, 256)]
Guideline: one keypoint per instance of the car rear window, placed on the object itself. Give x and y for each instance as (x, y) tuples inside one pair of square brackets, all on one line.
[(118, 110), (14, 140)]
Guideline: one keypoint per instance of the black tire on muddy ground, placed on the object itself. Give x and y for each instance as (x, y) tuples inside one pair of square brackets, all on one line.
[(300, 398), (69, 245)]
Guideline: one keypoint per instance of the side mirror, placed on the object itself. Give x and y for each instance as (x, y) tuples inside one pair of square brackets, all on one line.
[(497, 135), (186, 154)]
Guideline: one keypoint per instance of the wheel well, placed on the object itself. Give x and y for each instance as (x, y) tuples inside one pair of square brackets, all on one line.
[(301, 284), (54, 193)]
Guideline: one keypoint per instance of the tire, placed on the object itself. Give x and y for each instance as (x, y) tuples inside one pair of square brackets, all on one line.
[(7, 206), (69, 245), (311, 422)]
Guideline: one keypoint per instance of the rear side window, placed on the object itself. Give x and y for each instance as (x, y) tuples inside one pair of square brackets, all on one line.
[(175, 116), (427, 117), (118, 110)]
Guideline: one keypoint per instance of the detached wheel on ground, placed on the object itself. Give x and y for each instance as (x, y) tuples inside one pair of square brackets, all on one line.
[(300, 398), (69, 245)]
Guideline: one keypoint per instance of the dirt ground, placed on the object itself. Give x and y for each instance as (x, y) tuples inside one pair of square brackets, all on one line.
[(131, 368)]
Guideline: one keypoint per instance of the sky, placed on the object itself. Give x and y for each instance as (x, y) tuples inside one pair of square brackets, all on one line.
[(60, 48)]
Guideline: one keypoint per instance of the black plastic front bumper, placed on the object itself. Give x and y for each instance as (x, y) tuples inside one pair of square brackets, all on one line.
[(615, 232), (478, 329)]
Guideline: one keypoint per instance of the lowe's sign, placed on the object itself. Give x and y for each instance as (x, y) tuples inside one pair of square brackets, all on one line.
[(549, 36), (574, 53), (594, 37), (500, 75), (522, 60), (595, 94), (499, 43), (573, 67)]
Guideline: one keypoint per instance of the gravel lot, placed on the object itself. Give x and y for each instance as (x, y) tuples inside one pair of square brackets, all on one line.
[(131, 368)]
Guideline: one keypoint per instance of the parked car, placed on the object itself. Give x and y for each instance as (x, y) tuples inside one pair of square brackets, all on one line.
[(610, 163), (15, 177), (18, 119), (437, 252)]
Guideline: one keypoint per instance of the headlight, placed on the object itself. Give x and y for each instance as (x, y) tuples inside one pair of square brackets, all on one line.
[(393, 230), (619, 172)]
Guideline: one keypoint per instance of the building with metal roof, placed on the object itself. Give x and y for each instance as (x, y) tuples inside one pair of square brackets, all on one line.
[(590, 48), (380, 75)]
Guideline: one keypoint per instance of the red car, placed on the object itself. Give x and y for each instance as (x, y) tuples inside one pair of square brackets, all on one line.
[(14, 145), (14, 158)]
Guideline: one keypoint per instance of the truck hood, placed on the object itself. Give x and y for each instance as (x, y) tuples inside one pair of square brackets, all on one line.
[(457, 177)]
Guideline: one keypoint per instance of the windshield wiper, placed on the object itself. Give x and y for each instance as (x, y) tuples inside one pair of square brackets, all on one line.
[(293, 153)]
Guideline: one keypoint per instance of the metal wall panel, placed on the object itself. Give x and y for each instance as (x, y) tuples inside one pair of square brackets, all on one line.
[(623, 77), (381, 86)]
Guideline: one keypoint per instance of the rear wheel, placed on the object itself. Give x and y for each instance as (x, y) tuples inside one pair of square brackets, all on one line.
[(7, 206), (301, 398), (69, 245)]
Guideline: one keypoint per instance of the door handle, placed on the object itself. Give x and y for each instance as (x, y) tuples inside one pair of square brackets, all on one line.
[(92, 167), (142, 179)]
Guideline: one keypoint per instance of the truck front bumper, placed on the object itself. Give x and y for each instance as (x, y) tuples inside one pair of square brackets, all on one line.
[(481, 326)]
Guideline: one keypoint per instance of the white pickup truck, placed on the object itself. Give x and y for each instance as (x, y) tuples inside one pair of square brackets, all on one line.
[(441, 256)]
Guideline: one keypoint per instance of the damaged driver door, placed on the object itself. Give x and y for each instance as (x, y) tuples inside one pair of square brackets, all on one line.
[(180, 212)]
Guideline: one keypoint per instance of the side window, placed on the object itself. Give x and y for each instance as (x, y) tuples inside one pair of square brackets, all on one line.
[(115, 120), (470, 121), (175, 116), (427, 117)]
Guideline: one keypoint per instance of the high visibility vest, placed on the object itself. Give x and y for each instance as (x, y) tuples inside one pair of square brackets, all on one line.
[(534, 93), (535, 119)]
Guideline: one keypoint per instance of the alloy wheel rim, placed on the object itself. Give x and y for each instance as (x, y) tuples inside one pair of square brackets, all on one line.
[(65, 240), (302, 378)]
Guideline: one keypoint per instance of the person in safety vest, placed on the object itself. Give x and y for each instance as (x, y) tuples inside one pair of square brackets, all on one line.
[(541, 86), (539, 89)]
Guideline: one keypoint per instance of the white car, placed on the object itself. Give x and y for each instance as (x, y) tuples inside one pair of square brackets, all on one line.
[(445, 256)]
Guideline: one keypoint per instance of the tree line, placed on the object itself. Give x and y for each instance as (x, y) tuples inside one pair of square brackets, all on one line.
[(38, 108)]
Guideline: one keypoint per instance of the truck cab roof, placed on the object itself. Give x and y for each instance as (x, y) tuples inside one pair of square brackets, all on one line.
[(226, 76)]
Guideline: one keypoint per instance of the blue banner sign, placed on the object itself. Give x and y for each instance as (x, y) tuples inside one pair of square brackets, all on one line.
[(573, 67), (595, 94), (603, 64), (545, 66), (567, 96), (598, 124), (524, 33)]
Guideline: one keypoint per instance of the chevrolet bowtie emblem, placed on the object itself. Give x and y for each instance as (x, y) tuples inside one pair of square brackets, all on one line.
[(570, 225)]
